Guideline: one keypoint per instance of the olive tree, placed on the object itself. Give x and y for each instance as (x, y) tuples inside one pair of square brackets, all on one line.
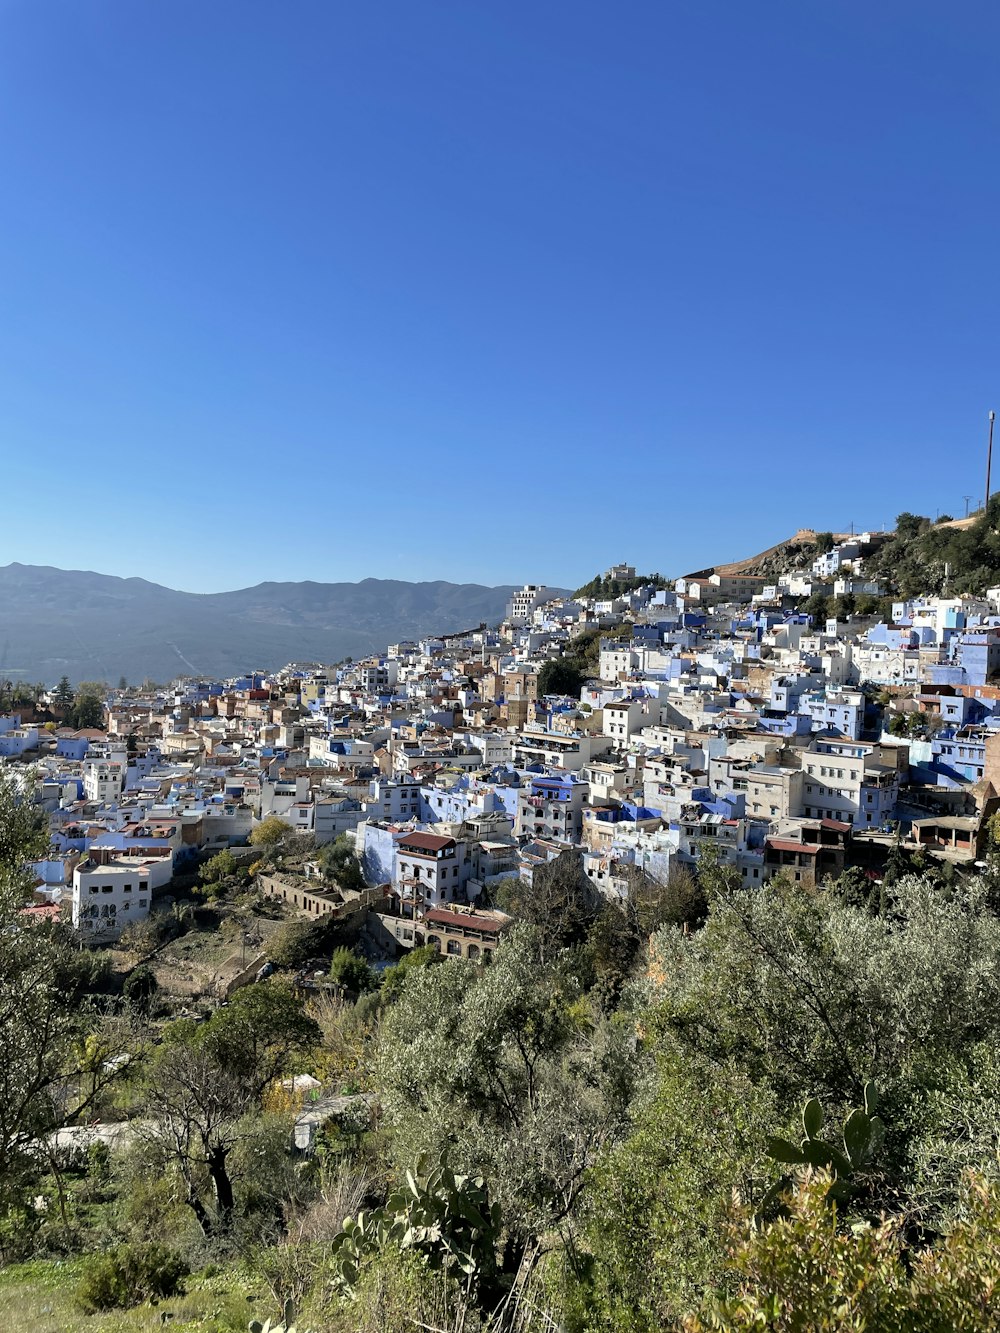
[(510, 1070), (204, 1092)]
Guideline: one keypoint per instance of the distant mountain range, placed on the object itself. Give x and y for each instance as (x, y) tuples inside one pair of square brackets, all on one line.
[(60, 622)]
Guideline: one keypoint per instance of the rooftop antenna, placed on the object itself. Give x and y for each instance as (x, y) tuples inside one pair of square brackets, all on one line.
[(989, 460)]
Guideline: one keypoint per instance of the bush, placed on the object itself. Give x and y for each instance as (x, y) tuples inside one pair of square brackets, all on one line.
[(351, 972), (294, 943), (140, 988), (341, 865), (394, 978), (220, 867), (129, 1275)]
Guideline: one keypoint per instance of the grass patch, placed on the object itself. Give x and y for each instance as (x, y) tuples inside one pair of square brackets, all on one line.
[(40, 1296)]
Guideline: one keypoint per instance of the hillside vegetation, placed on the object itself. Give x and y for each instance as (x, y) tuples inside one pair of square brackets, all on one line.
[(602, 588), (914, 559), (635, 1118)]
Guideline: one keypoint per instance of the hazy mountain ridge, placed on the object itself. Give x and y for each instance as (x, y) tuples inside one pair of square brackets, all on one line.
[(56, 622)]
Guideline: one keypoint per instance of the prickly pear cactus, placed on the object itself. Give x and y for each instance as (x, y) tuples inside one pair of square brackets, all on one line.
[(863, 1133)]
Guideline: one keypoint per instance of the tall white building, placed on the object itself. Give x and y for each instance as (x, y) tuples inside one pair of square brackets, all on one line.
[(103, 780), (523, 603)]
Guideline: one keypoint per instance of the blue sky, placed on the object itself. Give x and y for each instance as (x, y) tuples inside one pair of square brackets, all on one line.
[(489, 292)]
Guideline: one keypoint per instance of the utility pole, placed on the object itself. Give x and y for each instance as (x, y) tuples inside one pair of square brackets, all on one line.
[(989, 460), (966, 498)]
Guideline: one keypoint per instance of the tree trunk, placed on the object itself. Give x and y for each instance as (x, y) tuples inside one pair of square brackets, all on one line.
[(223, 1185), (199, 1210)]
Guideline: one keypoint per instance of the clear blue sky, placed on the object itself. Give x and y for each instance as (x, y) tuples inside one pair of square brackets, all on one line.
[(488, 291)]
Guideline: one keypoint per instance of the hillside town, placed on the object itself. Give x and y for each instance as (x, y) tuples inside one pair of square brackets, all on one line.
[(643, 729)]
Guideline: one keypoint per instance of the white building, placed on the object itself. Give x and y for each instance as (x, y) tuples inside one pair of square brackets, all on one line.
[(626, 717), (617, 659), (523, 603), (831, 561), (334, 816), (835, 710), (103, 780), (848, 782), (431, 870), (110, 894), (393, 800), (378, 675)]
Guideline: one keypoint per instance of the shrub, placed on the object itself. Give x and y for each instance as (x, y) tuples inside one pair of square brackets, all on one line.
[(351, 972), (129, 1275), (394, 978), (140, 988), (294, 943)]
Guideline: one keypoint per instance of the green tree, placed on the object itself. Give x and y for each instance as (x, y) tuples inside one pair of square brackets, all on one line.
[(909, 525), (140, 988), (220, 867), (777, 980), (62, 696), (340, 863), (612, 947), (817, 607), (394, 978), (676, 901), (43, 1003), (88, 710), (24, 834), (824, 542), (560, 676), (509, 1068), (269, 832), (352, 972), (657, 1215), (203, 1096), (560, 902)]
